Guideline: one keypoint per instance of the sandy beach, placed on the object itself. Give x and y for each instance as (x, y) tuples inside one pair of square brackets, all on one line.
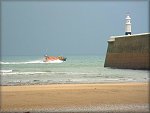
[(76, 97)]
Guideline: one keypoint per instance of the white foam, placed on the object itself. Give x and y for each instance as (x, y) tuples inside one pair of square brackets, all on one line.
[(55, 61), (32, 62), (23, 73), (5, 71), (73, 73)]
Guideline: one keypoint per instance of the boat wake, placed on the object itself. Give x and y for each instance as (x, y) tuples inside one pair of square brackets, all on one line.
[(55, 61), (33, 62)]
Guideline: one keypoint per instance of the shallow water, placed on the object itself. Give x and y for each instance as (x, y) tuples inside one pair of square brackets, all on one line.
[(26, 70)]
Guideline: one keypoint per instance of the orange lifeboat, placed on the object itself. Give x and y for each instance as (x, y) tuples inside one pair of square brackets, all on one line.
[(53, 58)]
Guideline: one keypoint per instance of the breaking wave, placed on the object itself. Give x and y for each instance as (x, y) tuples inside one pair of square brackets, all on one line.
[(5, 71), (22, 73), (32, 62)]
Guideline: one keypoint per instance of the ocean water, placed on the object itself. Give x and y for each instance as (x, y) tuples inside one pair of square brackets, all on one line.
[(27, 70)]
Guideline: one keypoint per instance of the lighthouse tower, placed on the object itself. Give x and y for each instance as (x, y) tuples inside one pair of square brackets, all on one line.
[(128, 25)]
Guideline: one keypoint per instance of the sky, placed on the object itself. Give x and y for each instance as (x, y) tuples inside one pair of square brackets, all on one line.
[(67, 27)]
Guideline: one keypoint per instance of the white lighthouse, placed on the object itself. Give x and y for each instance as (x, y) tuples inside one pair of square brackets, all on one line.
[(128, 25)]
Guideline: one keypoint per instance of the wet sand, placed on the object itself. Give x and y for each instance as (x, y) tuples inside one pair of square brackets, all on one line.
[(76, 97)]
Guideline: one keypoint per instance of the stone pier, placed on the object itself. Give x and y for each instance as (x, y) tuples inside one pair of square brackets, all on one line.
[(129, 52)]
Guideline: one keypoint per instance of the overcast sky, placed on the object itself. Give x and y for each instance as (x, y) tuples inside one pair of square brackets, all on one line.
[(67, 27)]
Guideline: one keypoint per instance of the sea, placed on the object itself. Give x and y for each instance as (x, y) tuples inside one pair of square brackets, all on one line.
[(31, 70)]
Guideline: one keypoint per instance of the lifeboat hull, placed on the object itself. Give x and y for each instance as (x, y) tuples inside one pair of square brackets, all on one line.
[(52, 59)]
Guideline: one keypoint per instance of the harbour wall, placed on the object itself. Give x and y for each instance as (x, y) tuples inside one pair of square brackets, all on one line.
[(128, 52)]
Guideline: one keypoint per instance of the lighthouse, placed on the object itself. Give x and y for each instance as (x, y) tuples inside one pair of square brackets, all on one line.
[(128, 25)]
